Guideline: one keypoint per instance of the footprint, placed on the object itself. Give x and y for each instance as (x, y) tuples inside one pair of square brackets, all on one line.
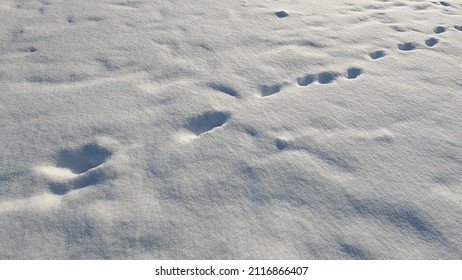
[(281, 144), (377, 54), (458, 27), (444, 3), (107, 64), (408, 46), (83, 159), (70, 19), (439, 29), (353, 73), (327, 77), (431, 42), (29, 50), (281, 14), (76, 168), (268, 90), (223, 88), (306, 80), (95, 19), (129, 4), (206, 122)]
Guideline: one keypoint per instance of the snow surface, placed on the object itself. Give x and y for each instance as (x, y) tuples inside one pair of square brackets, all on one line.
[(181, 129)]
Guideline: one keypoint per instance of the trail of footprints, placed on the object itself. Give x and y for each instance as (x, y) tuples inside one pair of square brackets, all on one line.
[(82, 167), (327, 77), (208, 121)]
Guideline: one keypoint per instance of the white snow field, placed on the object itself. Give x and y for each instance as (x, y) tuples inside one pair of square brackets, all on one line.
[(181, 129)]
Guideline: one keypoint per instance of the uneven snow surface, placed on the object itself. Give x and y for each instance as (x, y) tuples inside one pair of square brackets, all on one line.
[(241, 129)]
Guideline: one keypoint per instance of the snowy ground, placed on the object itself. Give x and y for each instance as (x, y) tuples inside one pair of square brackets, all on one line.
[(230, 129)]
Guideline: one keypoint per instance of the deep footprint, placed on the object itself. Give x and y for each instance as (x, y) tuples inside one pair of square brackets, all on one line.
[(306, 80), (439, 29), (431, 42), (327, 77), (353, 72), (223, 88), (458, 27), (270, 90), (281, 144), (377, 54), (206, 122), (407, 46), (83, 159), (281, 14)]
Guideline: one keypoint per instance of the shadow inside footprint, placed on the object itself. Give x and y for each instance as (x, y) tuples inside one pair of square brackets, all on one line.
[(59, 189), (281, 14), (223, 88), (281, 144), (83, 159), (206, 122), (353, 73), (306, 80), (377, 54), (439, 29), (458, 27), (431, 42), (270, 90), (29, 50), (407, 46), (327, 77)]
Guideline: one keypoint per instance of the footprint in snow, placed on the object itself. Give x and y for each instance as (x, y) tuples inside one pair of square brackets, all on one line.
[(224, 89), (206, 122), (281, 14), (353, 73), (306, 80), (458, 27), (439, 29), (377, 54), (408, 46), (76, 168), (268, 90), (431, 42), (281, 144), (327, 77)]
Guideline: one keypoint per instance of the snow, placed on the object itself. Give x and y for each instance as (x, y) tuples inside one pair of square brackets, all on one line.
[(230, 129)]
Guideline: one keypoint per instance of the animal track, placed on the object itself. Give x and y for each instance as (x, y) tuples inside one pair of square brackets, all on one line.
[(268, 90), (81, 160), (458, 27), (353, 72), (439, 29), (107, 64), (431, 42), (408, 46), (206, 122), (29, 49), (327, 77), (281, 14), (76, 168), (444, 3), (377, 54), (306, 80), (223, 88), (95, 19), (281, 144)]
